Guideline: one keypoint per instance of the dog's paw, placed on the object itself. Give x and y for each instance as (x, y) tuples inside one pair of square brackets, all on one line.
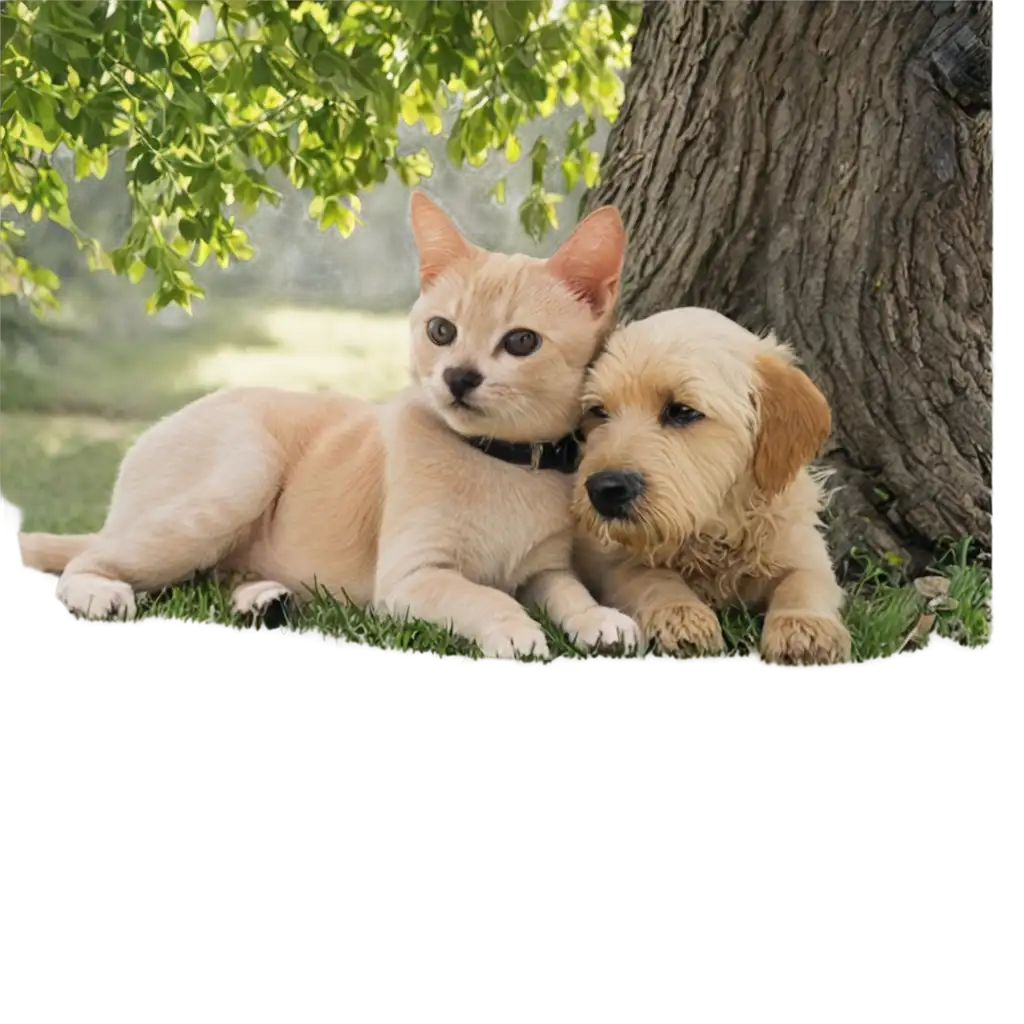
[(688, 626), (600, 627), (516, 638), (804, 638), (256, 597), (95, 597)]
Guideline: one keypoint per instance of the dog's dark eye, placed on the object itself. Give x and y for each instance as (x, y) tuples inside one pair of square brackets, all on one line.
[(521, 342), (599, 412), (676, 414), (441, 331)]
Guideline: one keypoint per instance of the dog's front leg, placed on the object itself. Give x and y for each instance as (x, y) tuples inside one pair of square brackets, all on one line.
[(803, 623), (667, 610), (497, 622), (564, 598)]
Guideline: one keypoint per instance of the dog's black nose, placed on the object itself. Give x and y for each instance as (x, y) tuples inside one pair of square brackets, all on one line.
[(613, 491), (461, 380)]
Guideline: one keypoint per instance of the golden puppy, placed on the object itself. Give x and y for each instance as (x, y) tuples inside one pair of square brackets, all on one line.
[(694, 490)]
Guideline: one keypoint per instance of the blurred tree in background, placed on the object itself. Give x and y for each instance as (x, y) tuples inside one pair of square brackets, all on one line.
[(211, 111)]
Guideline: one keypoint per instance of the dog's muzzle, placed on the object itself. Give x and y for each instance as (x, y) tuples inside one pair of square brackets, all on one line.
[(613, 491)]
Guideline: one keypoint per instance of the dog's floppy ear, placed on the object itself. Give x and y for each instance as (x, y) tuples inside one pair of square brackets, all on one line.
[(438, 241), (589, 261), (795, 423)]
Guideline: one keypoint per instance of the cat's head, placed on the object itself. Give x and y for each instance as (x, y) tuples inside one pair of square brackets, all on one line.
[(501, 343)]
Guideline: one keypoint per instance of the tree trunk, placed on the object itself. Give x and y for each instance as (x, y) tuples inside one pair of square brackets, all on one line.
[(824, 170)]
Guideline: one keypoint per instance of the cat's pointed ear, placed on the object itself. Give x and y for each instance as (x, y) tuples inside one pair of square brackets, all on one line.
[(438, 241), (589, 261)]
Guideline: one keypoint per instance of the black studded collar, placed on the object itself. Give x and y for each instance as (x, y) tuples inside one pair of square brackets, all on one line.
[(562, 455)]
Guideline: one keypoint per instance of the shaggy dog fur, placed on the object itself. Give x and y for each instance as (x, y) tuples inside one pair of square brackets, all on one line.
[(694, 489)]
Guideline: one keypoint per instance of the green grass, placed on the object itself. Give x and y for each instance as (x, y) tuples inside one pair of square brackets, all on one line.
[(68, 417), (882, 614)]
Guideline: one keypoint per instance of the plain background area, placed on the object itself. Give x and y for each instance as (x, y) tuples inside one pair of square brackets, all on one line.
[(201, 824)]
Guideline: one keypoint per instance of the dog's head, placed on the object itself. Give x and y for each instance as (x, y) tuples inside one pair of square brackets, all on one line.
[(686, 414), (501, 343)]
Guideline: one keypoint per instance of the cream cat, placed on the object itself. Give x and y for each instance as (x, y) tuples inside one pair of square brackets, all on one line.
[(406, 504)]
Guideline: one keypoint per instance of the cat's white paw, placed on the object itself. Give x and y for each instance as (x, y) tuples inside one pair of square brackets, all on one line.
[(96, 597), (603, 627), (256, 597), (508, 639)]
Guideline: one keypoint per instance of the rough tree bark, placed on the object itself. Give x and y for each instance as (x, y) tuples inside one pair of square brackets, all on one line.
[(824, 170)]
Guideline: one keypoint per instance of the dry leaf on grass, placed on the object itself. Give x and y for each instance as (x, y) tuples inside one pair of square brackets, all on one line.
[(935, 591), (932, 587), (919, 633)]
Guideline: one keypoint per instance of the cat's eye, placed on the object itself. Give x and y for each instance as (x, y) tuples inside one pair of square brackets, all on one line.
[(676, 414), (599, 412), (521, 342), (441, 331)]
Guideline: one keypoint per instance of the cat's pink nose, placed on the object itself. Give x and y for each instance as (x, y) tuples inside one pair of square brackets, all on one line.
[(461, 380)]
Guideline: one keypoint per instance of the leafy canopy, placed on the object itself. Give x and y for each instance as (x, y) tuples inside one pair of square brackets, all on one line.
[(205, 108)]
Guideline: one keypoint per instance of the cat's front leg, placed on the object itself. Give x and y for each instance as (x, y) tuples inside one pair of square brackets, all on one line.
[(497, 622), (571, 605)]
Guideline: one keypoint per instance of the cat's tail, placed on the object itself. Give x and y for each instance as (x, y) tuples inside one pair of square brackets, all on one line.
[(50, 552)]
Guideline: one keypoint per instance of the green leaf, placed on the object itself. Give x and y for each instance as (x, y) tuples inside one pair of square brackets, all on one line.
[(145, 171), (44, 277), (431, 121), (150, 58), (83, 164), (454, 149), (570, 172), (327, 64), (506, 29), (100, 162), (538, 160), (93, 132), (261, 72), (238, 244), (136, 270), (33, 135), (345, 221)]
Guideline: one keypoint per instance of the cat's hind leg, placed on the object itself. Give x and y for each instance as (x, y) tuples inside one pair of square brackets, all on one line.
[(186, 496), (257, 596)]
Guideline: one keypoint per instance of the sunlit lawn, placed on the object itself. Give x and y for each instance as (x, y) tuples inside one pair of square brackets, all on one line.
[(66, 422)]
